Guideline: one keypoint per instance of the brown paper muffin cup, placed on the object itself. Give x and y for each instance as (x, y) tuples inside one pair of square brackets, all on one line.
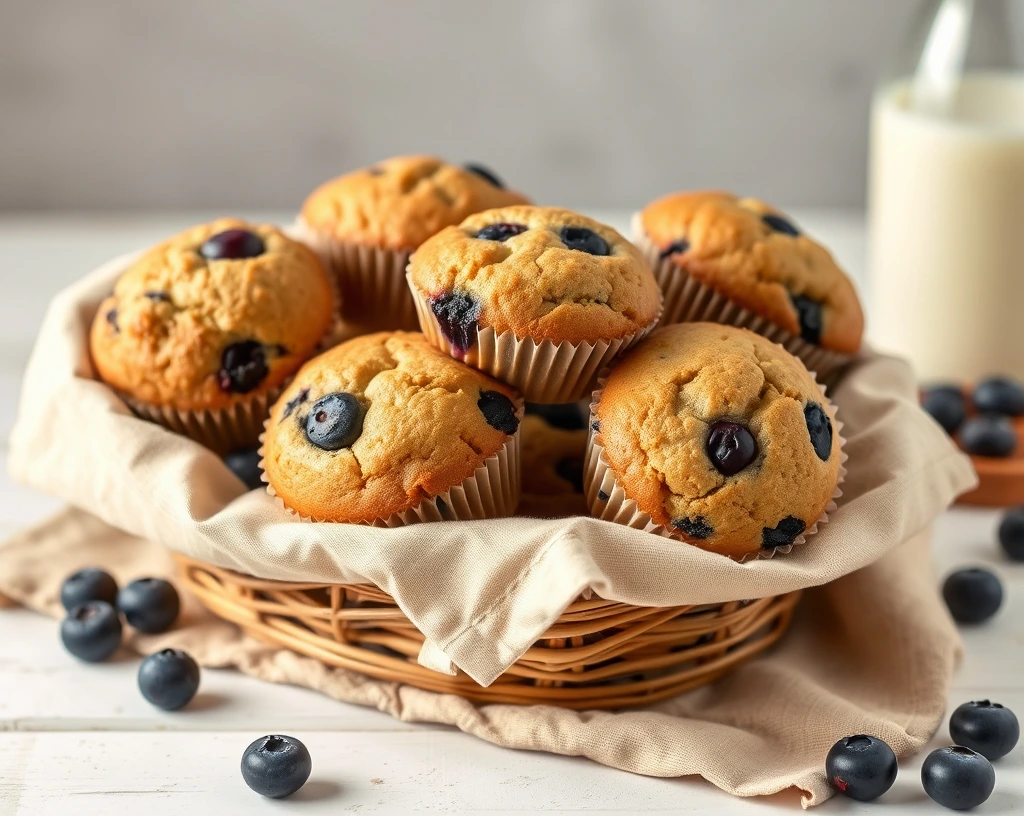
[(544, 371), (374, 294), (491, 492), (599, 480), (222, 430), (687, 300)]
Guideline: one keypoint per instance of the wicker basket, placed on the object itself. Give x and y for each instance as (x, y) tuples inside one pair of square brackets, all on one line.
[(599, 654)]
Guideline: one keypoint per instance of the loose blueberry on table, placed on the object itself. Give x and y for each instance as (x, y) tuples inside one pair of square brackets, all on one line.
[(335, 421), (947, 406), (861, 767), (150, 605), (90, 584), (1011, 533), (169, 679), (276, 766), (957, 777), (986, 727), (973, 595), (232, 244), (91, 631), (988, 435), (999, 395), (245, 464)]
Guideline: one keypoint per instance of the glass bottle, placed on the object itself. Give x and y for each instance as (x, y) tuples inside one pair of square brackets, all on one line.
[(946, 193)]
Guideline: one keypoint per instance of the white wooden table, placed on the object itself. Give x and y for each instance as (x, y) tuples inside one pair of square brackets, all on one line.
[(80, 740)]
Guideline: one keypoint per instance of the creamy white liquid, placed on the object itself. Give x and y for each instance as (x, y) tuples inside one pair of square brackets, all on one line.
[(947, 230)]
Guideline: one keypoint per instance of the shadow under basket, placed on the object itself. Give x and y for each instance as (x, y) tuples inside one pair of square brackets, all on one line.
[(598, 655)]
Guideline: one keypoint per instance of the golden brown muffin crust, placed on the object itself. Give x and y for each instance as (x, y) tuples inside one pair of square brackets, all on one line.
[(161, 336), (532, 285), (399, 203), (655, 414), (552, 461), (735, 251), (423, 431)]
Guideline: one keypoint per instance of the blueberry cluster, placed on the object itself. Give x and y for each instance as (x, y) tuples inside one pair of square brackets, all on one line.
[(274, 766), (988, 430), (959, 777)]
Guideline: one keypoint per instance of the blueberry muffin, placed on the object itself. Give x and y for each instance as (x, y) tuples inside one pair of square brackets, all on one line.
[(366, 224), (539, 297), (203, 330), (739, 261), (720, 437), (552, 458), (384, 429)]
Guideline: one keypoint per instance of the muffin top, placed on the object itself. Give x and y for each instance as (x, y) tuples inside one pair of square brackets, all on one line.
[(756, 257), (537, 272), (212, 315), (552, 461), (720, 435), (399, 203), (378, 424)]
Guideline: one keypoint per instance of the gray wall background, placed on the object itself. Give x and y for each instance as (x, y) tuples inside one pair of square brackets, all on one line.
[(124, 104)]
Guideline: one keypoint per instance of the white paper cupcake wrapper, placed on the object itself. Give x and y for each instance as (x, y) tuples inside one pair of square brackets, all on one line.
[(687, 300), (374, 294), (222, 430), (544, 371), (491, 492), (599, 478)]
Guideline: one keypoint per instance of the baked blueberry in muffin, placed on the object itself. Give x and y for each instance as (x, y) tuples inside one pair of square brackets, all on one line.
[(384, 425), (720, 436)]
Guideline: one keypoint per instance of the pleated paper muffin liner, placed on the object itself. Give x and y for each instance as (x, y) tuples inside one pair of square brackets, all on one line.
[(491, 492), (374, 294), (222, 430), (545, 371), (687, 300), (599, 478)]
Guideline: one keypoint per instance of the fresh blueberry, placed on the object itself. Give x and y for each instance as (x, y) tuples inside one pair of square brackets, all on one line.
[(861, 767), (567, 416), (808, 312), (500, 232), (730, 447), (999, 395), (780, 224), (485, 173), (957, 777), (157, 296), (335, 421), (457, 314), (91, 631), (91, 584), (245, 464), (782, 534), (985, 727), (947, 406), (232, 244), (571, 469), (112, 320), (242, 367), (1011, 533), (499, 411), (696, 528), (276, 766), (584, 240), (169, 679), (972, 595), (988, 435), (819, 427), (150, 605), (675, 248)]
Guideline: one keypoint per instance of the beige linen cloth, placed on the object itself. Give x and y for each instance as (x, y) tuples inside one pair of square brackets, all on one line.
[(871, 649)]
